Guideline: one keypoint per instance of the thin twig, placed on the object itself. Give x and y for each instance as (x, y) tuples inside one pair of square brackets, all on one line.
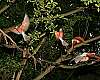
[(7, 6), (38, 47), (70, 75), (13, 42), (42, 35), (35, 61), (7, 37), (4, 8), (13, 77)]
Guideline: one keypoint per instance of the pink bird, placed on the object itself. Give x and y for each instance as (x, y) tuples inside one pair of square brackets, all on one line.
[(22, 28), (77, 40), (59, 36), (83, 57)]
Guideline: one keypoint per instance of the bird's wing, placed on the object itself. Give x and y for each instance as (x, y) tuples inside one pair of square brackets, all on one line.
[(25, 23)]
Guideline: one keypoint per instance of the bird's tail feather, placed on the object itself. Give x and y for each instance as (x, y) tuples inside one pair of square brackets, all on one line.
[(26, 38), (63, 42)]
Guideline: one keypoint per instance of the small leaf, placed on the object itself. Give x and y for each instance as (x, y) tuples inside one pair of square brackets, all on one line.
[(98, 9), (96, 5)]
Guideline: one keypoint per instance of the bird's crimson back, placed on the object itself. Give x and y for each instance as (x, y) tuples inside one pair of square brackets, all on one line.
[(23, 27), (58, 35)]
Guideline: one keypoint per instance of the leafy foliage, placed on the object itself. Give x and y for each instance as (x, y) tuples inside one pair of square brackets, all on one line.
[(45, 14), (95, 2), (8, 65), (45, 18)]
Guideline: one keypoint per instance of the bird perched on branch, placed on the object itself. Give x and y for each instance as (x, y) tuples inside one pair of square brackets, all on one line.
[(83, 57), (59, 36), (22, 28), (77, 40)]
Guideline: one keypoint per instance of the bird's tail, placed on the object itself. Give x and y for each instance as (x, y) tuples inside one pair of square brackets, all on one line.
[(63, 42), (26, 38)]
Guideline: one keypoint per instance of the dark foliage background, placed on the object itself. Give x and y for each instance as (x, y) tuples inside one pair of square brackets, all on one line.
[(46, 16)]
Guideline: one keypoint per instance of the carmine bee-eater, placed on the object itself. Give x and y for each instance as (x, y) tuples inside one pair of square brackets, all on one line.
[(77, 40), (59, 36), (22, 28), (83, 57)]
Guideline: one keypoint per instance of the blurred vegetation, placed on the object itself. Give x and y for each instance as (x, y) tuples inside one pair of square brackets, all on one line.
[(46, 17)]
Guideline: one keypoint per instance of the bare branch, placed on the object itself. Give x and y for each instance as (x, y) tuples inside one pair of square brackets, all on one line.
[(7, 6), (49, 69), (13, 77), (14, 45), (4, 8), (38, 47), (63, 59), (7, 37), (73, 11), (74, 66)]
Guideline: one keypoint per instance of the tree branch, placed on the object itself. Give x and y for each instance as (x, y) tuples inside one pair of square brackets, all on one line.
[(48, 69), (38, 47), (14, 45), (63, 58), (7, 6), (85, 42), (7, 37), (4, 8), (74, 66), (73, 11)]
